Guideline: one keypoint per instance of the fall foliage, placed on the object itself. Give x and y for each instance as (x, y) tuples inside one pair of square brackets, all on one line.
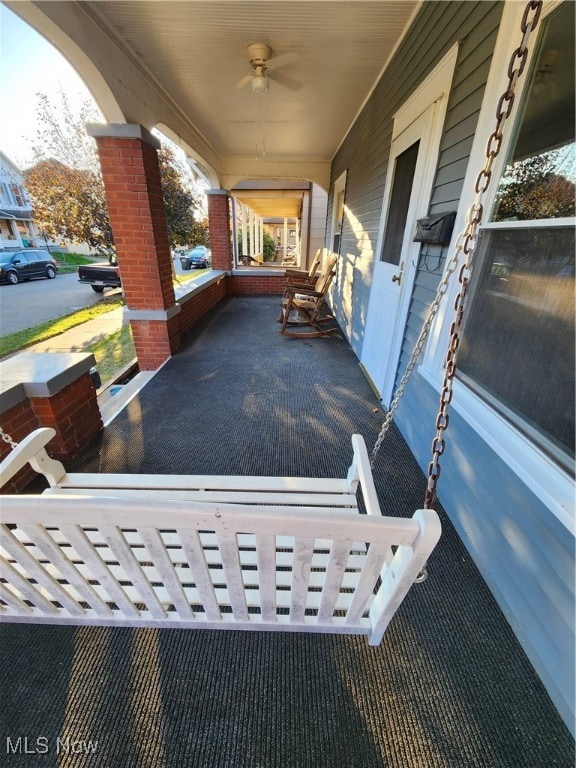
[(67, 191), (533, 189), (69, 204)]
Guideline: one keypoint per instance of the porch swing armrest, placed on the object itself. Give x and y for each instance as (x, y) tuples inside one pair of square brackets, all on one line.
[(361, 474), (401, 572), (32, 451)]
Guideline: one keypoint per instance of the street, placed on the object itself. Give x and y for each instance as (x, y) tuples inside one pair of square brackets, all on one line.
[(27, 304)]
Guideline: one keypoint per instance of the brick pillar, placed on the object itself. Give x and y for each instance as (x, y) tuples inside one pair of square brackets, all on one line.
[(129, 162), (51, 389), (73, 413), (219, 226)]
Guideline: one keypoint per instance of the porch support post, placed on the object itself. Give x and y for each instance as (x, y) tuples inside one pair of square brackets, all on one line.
[(261, 239), (219, 226), (244, 231), (129, 161), (298, 254), (285, 237)]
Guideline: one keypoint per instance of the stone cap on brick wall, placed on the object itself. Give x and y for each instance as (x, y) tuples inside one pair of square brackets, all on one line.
[(40, 374)]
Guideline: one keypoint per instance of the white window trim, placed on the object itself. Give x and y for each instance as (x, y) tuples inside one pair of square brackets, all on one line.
[(545, 478), (338, 186)]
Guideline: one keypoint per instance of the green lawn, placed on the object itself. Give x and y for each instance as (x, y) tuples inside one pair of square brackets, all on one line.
[(69, 262), (22, 339), (113, 353)]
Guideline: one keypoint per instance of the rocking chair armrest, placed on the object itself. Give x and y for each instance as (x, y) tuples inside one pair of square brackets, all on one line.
[(298, 273), (304, 290)]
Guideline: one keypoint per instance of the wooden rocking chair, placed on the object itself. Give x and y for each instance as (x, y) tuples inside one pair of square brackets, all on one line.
[(303, 275), (303, 304)]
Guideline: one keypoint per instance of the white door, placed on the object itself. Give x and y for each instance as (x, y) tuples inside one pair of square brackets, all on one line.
[(411, 169), (412, 164)]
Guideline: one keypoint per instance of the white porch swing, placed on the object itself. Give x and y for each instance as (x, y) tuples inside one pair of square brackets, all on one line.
[(225, 552)]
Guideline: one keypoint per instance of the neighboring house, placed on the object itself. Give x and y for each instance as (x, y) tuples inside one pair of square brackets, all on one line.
[(16, 227), (507, 480)]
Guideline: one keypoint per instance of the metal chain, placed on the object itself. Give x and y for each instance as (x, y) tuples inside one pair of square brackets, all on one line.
[(7, 439), (516, 66), (465, 243)]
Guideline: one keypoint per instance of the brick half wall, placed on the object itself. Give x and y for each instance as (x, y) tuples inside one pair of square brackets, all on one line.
[(244, 285)]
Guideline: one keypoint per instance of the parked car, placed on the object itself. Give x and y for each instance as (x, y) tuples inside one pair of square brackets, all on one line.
[(198, 258), (99, 276), (19, 266)]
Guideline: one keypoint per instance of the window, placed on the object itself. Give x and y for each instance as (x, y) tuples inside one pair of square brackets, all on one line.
[(6, 230), (18, 195), (404, 170), (517, 349), (5, 198), (338, 212)]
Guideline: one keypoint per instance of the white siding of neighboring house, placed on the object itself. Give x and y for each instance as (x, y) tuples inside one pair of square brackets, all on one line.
[(16, 228)]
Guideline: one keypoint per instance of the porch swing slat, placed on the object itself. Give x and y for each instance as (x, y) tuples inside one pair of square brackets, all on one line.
[(218, 483)]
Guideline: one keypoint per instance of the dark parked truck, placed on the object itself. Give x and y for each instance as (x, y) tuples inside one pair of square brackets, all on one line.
[(99, 276)]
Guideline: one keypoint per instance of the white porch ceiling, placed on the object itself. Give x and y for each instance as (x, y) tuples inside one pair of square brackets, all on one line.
[(193, 55)]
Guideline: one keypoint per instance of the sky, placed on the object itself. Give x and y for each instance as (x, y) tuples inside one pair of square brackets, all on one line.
[(29, 64)]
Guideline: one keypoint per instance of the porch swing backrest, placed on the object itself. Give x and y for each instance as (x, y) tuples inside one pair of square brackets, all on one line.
[(257, 553), (326, 273)]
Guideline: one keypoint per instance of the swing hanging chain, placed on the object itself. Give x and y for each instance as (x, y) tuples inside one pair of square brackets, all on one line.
[(516, 67), (465, 243), (7, 439)]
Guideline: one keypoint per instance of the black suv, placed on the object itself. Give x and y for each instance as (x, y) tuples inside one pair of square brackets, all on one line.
[(23, 265)]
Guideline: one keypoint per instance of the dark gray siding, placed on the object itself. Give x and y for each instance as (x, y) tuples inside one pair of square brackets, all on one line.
[(364, 153), (522, 549)]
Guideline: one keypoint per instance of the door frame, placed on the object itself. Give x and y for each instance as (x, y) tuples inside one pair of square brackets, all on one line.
[(430, 96)]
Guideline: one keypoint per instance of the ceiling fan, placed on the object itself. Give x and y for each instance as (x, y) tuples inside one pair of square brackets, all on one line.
[(264, 69)]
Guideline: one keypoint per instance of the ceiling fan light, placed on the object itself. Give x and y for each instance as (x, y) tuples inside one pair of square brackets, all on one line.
[(259, 83)]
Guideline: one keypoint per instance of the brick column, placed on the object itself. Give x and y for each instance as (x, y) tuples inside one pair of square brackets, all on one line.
[(219, 226), (129, 162)]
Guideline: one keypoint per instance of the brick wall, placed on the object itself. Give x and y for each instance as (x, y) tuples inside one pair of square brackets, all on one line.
[(155, 341), (131, 173), (254, 284), (134, 197), (73, 413), (220, 236), (18, 422), (201, 303)]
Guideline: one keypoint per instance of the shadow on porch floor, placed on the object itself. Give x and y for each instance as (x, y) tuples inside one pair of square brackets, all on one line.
[(448, 687)]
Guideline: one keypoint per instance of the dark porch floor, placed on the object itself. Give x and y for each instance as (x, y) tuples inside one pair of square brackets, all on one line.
[(449, 686)]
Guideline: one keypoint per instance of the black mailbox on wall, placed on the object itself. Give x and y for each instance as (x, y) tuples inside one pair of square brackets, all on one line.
[(435, 229)]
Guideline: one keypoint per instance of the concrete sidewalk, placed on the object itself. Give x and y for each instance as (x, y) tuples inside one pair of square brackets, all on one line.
[(81, 336)]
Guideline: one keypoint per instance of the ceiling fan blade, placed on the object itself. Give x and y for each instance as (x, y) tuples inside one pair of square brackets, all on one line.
[(284, 80), (243, 82), (283, 60)]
